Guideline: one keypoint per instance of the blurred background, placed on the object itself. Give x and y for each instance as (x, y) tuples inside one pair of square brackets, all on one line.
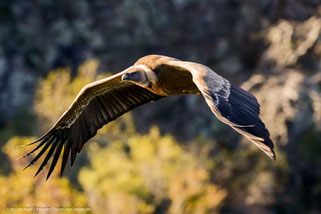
[(172, 156)]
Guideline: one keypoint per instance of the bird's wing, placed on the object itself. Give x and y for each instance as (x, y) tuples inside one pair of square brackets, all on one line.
[(230, 104), (96, 104)]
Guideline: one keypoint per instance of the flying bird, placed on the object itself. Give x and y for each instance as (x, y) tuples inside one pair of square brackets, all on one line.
[(151, 78)]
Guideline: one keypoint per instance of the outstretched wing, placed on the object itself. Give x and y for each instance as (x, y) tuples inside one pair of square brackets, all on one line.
[(97, 104), (230, 104), (240, 110)]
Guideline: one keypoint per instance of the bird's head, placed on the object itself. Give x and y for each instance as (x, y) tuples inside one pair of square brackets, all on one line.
[(140, 75)]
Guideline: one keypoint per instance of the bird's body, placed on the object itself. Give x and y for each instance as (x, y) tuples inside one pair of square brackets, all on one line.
[(151, 78), (169, 79)]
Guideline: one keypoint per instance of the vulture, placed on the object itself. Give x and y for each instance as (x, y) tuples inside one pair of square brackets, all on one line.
[(151, 78)]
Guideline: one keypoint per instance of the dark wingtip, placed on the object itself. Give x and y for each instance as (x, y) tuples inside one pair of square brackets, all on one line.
[(23, 156), (268, 149), (62, 169), (30, 152), (49, 173), (39, 170), (73, 158), (269, 143), (29, 164), (36, 141), (48, 176), (46, 135), (273, 155)]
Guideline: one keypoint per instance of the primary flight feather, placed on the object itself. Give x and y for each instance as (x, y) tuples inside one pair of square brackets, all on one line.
[(151, 78)]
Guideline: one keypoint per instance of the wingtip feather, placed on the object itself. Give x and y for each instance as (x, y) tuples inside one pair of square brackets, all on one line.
[(273, 157)]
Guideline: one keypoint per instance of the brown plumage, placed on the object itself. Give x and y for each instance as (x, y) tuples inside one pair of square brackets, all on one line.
[(149, 79)]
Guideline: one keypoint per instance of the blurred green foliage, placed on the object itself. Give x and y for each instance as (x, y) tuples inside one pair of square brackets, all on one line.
[(19, 189), (148, 172)]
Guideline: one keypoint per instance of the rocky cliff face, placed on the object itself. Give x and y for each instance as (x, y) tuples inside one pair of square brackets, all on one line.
[(38, 36)]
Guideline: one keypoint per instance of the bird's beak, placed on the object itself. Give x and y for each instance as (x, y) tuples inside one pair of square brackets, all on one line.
[(135, 76), (125, 76)]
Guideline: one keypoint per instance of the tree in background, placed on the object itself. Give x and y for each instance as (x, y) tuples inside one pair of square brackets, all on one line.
[(20, 189), (146, 173)]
